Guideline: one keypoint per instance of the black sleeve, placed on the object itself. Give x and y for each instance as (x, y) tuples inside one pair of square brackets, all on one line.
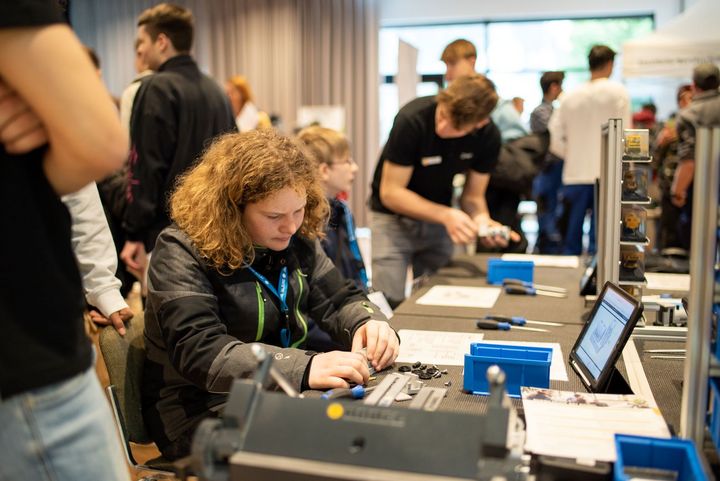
[(686, 138), (29, 13), (403, 144), (153, 133), (487, 148)]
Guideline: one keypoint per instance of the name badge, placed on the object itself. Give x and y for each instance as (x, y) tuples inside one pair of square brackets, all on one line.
[(434, 160), (466, 155)]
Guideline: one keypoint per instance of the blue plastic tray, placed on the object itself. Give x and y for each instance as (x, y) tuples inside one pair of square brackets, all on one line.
[(498, 270), (523, 366), (673, 454)]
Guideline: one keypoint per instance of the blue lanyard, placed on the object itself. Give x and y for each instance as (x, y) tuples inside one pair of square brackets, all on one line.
[(354, 247), (281, 294)]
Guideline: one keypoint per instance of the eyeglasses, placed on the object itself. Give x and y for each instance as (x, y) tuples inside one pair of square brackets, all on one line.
[(348, 161)]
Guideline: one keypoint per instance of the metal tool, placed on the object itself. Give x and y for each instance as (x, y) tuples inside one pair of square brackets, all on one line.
[(503, 326), (664, 351), (385, 392), (662, 356), (531, 291), (518, 282), (355, 392), (428, 399), (520, 321)]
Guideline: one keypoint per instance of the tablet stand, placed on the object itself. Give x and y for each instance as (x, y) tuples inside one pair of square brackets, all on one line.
[(616, 384)]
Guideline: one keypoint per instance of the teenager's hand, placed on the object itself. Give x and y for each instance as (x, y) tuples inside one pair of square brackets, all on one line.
[(460, 227), (380, 341), (117, 319), (20, 128), (337, 369)]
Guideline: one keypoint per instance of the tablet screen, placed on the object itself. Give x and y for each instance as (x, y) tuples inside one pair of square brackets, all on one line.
[(613, 317)]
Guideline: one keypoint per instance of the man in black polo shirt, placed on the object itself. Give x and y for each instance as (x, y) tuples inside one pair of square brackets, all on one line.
[(432, 140), (55, 422)]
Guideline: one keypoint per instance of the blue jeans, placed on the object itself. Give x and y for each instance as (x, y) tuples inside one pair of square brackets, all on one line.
[(63, 431), (546, 188), (579, 199), (399, 242)]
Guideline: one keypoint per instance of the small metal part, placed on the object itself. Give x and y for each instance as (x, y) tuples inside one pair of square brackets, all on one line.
[(416, 365), (423, 367), (448, 383), (428, 399), (424, 375), (385, 392), (431, 370), (404, 369), (444, 371)]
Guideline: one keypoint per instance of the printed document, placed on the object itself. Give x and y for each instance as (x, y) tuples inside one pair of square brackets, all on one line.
[(460, 296)]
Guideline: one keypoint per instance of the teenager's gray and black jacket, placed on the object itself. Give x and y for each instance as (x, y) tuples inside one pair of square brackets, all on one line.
[(199, 323)]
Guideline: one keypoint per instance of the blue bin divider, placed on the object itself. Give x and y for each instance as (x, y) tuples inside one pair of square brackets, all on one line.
[(673, 454), (715, 414), (523, 366), (498, 270)]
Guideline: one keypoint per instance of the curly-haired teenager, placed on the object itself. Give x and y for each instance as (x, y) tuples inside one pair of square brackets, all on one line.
[(242, 264)]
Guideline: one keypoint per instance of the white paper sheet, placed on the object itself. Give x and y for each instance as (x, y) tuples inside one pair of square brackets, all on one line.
[(435, 347), (460, 296), (582, 425), (667, 282), (569, 262), (557, 363)]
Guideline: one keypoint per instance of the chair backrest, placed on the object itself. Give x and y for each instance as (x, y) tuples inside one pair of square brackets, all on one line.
[(124, 357)]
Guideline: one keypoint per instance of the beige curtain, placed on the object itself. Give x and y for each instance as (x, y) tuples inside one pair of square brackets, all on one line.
[(293, 52)]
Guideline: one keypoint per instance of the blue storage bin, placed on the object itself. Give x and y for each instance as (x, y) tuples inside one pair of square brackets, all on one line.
[(673, 454), (523, 366), (498, 270)]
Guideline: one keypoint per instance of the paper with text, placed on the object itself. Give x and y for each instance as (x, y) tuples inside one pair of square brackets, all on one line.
[(435, 347), (460, 296), (583, 425)]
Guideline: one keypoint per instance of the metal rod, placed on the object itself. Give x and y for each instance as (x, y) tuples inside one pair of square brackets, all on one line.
[(703, 245)]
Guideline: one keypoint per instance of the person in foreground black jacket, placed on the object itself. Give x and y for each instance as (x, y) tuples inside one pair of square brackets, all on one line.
[(242, 264)]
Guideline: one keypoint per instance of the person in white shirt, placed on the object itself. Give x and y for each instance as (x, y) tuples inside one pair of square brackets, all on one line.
[(575, 135), (96, 257)]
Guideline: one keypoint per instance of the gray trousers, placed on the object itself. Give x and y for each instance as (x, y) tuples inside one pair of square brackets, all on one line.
[(399, 242)]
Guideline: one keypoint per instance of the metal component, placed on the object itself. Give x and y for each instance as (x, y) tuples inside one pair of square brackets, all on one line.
[(608, 229), (663, 351), (385, 392), (703, 248), (428, 399), (661, 356)]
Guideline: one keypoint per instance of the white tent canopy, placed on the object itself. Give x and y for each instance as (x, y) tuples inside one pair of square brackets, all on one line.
[(674, 49)]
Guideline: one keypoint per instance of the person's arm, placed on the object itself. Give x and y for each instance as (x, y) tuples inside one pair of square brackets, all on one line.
[(95, 254), (685, 171), (49, 70), (473, 202), (344, 311), (395, 195)]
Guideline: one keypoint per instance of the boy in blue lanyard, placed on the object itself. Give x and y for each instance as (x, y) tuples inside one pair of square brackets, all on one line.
[(337, 172), (242, 264)]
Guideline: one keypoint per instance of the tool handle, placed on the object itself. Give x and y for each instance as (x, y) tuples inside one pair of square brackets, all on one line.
[(490, 324), (356, 392), (526, 291), (514, 320), (516, 282)]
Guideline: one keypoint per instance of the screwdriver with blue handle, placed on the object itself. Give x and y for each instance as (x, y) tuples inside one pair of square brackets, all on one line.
[(520, 321), (531, 291), (503, 326), (518, 282), (355, 392)]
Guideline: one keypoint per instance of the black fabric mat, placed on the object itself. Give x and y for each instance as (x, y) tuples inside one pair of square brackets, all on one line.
[(471, 271)]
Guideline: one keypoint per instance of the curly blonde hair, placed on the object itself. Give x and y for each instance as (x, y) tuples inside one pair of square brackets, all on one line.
[(237, 170)]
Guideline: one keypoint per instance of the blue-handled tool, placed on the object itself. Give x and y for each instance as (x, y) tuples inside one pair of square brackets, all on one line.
[(518, 282), (503, 326), (355, 392), (531, 291), (520, 321)]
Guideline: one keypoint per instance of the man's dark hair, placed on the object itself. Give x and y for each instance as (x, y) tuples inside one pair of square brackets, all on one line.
[(173, 21), (599, 56), (549, 78)]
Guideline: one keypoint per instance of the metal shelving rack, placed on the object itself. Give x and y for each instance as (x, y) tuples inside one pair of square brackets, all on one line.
[(700, 363)]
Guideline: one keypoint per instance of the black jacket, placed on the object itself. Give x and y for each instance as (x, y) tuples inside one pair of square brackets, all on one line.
[(176, 114), (199, 324)]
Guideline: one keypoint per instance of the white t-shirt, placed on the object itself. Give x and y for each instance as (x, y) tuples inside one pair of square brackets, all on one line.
[(575, 127)]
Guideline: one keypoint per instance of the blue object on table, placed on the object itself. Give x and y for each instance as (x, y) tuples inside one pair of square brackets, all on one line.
[(356, 392), (675, 454), (499, 269), (523, 366), (715, 418)]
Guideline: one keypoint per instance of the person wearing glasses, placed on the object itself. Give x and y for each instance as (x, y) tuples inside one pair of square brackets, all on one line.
[(242, 265)]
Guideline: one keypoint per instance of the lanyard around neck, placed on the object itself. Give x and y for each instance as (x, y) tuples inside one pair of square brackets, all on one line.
[(354, 247), (282, 288)]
